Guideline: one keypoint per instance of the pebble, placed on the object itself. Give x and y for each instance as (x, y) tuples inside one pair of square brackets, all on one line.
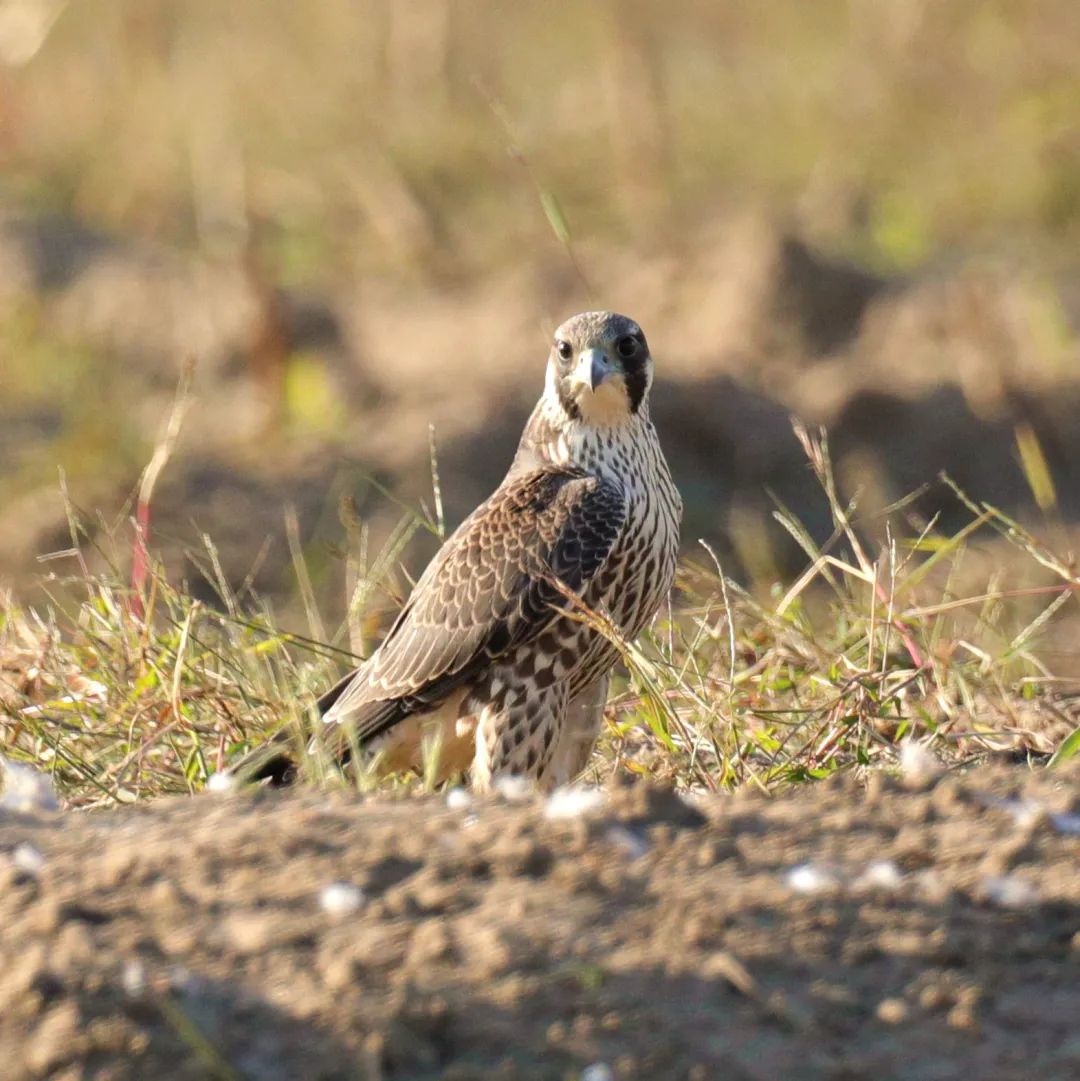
[(341, 899), (513, 788), (133, 978), (1027, 813), (459, 799), (25, 790), (26, 858), (918, 764), (573, 801), (893, 1011), (880, 875), (811, 878), (1007, 891), (221, 783), (633, 843), (598, 1071)]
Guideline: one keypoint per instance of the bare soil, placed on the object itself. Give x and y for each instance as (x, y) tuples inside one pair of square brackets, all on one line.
[(926, 934)]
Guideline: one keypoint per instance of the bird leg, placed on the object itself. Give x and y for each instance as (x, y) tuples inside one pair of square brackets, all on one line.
[(517, 733)]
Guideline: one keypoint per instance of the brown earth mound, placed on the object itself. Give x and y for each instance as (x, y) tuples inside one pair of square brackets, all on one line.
[(842, 932)]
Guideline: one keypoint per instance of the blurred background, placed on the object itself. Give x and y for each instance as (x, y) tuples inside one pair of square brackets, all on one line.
[(360, 220)]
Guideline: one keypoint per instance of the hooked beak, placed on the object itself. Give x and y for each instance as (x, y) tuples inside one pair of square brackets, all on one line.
[(594, 367)]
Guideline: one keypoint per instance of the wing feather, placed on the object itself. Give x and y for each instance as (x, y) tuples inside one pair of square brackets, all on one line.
[(489, 589)]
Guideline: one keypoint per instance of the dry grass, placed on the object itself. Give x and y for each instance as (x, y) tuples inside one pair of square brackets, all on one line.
[(864, 650), (127, 692)]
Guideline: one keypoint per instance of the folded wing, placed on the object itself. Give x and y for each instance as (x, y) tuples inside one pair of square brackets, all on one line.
[(491, 588)]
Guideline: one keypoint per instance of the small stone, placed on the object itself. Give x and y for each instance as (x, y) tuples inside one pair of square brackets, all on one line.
[(25, 790), (919, 766), (221, 783), (598, 1071), (573, 801), (133, 978), (893, 1011), (459, 799), (341, 899), (28, 859), (812, 878), (1007, 891), (513, 788), (881, 875), (633, 843), (1027, 813)]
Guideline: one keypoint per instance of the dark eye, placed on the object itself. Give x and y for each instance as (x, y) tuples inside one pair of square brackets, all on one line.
[(626, 347), (564, 349)]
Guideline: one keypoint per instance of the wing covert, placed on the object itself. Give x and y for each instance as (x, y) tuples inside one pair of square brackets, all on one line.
[(491, 587)]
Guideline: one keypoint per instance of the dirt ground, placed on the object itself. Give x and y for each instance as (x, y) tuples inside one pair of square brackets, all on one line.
[(846, 931)]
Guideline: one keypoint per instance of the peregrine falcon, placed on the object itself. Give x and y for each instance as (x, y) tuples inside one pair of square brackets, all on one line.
[(490, 655)]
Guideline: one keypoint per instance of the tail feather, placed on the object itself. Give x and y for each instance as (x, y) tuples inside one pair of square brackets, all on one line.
[(272, 763), (275, 762)]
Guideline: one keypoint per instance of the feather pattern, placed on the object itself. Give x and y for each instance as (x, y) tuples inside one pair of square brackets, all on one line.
[(485, 652), (491, 588)]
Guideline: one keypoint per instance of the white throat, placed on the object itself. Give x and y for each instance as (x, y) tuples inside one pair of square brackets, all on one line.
[(564, 440)]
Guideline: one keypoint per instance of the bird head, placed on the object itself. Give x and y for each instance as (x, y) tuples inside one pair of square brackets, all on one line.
[(599, 370)]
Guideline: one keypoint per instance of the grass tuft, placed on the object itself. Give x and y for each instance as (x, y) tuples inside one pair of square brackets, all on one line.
[(945, 638)]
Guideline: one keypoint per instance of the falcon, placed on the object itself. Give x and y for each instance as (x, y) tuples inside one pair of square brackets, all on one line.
[(494, 660)]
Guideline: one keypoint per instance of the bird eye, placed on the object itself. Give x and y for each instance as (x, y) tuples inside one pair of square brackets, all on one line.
[(564, 349), (626, 347)]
